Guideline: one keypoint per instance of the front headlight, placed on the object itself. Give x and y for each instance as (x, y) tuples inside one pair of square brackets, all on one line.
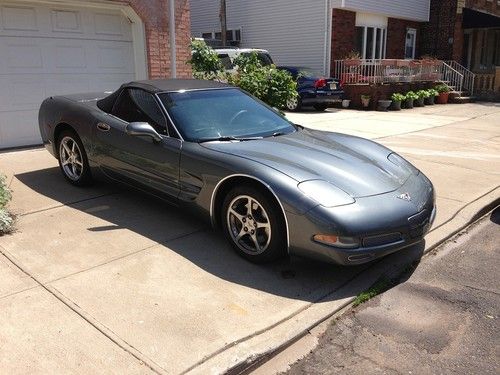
[(325, 193)]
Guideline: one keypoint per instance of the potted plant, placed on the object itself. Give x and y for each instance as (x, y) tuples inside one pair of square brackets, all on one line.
[(421, 95), (365, 100), (353, 58), (443, 93), (397, 98), (346, 103), (383, 105), (432, 96), (410, 98)]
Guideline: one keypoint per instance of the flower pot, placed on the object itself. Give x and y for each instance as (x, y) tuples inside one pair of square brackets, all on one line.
[(396, 105), (419, 102), (365, 102), (409, 103), (383, 105), (443, 98), (429, 100), (346, 103)]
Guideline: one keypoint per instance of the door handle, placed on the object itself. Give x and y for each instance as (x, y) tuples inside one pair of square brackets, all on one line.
[(103, 127)]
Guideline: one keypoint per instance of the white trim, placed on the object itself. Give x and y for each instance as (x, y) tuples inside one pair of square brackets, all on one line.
[(138, 32), (329, 40)]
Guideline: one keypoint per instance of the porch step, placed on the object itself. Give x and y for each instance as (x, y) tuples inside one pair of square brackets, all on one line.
[(458, 98)]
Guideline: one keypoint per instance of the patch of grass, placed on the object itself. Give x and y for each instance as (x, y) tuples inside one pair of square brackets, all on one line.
[(6, 220), (380, 286)]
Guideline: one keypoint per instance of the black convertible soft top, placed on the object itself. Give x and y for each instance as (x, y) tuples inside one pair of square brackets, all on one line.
[(159, 85)]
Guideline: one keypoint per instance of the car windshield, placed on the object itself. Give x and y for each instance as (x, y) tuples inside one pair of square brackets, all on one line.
[(223, 114), (264, 58), (306, 72)]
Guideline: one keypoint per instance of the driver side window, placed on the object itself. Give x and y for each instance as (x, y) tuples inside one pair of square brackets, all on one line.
[(135, 105)]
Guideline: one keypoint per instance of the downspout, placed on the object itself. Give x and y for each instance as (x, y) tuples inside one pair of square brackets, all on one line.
[(328, 38), (171, 26)]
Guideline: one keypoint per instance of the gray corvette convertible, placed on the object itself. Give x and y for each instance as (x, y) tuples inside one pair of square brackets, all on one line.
[(273, 187)]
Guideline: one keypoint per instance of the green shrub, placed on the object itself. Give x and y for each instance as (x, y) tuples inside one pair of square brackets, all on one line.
[(442, 88), (271, 85), (6, 220), (411, 95), (433, 92), (397, 97), (204, 60), (423, 94)]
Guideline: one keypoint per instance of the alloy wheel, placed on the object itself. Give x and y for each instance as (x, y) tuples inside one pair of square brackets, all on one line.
[(249, 225), (71, 158)]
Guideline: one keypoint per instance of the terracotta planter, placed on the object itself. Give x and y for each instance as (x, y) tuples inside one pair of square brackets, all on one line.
[(443, 98)]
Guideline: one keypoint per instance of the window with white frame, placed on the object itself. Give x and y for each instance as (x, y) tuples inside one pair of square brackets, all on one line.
[(411, 37), (231, 35), (371, 35)]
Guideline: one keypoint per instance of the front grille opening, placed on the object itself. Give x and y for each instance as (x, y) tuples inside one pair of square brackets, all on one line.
[(382, 239)]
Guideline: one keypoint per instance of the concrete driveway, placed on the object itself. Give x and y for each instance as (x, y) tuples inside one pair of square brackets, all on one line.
[(109, 280)]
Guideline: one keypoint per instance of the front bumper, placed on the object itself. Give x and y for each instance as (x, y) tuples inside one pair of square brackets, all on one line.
[(383, 224)]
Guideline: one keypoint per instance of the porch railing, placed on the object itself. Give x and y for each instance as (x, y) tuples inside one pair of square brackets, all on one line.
[(468, 82), (387, 70)]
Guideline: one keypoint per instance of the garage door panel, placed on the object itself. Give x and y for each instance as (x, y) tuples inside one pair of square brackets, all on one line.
[(19, 18), (56, 50), (13, 129)]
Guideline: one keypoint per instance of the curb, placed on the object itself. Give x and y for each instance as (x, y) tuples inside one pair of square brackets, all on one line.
[(248, 355)]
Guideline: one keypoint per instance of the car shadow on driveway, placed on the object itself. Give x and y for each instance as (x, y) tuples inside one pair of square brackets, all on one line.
[(139, 217)]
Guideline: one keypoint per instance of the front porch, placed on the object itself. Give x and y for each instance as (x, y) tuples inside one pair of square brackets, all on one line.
[(380, 78), (481, 52)]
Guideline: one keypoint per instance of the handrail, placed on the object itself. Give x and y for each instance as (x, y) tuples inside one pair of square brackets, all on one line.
[(452, 78), (469, 77)]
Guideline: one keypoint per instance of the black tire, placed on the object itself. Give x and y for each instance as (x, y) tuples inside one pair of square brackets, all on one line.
[(320, 107), (82, 175), (277, 243)]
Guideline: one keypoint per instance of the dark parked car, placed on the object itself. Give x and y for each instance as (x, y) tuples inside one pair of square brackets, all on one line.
[(275, 188), (313, 90)]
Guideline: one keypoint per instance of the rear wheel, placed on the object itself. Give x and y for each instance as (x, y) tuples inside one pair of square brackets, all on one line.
[(294, 104), (73, 159), (320, 107), (253, 225)]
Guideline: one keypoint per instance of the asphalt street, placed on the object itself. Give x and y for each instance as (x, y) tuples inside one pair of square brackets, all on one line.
[(441, 319)]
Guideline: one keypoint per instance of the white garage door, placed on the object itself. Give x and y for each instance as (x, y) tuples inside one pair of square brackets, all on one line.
[(56, 50)]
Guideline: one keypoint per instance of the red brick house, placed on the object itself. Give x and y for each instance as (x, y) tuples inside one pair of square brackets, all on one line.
[(468, 32), (51, 47)]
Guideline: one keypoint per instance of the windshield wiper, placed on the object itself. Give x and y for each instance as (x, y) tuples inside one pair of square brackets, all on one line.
[(227, 139)]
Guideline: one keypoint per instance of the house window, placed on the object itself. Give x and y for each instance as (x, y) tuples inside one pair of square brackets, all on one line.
[(371, 42), (231, 35), (411, 37)]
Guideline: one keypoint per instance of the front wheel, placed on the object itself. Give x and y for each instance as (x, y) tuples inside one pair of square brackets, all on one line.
[(73, 159), (253, 225)]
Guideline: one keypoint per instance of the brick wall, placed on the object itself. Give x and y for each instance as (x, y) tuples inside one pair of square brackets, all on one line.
[(154, 14), (343, 33), (396, 37), (445, 25)]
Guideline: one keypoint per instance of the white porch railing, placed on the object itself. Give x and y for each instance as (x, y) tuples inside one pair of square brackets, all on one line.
[(387, 70), (468, 76)]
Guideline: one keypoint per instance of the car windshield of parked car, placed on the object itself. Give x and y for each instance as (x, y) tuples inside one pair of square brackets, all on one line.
[(307, 72), (264, 58), (223, 114)]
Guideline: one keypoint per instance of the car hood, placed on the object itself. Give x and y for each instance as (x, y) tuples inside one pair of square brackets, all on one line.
[(358, 166)]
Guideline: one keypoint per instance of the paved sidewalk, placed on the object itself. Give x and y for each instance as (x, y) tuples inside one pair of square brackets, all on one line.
[(442, 319), (107, 280)]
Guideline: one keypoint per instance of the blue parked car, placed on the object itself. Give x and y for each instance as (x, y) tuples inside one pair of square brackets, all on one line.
[(313, 90)]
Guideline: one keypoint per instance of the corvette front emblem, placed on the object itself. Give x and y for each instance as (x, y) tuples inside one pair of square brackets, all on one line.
[(405, 197)]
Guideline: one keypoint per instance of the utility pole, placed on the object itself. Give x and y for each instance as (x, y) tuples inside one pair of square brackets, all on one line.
[(223, 25)]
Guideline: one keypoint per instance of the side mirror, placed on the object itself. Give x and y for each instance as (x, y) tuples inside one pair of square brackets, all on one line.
[(142, 129)]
